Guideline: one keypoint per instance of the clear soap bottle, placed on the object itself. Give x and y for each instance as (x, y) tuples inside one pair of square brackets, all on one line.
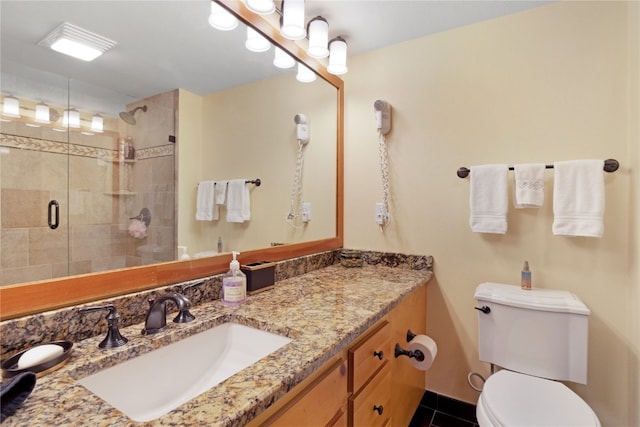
[(525, 282), (234, 284)]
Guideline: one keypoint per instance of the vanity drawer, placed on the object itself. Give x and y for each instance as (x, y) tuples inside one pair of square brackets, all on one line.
[(369, 355), (321, 403), (371, 406)]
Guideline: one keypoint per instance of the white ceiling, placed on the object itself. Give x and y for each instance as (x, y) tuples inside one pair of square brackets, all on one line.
[(163, 45)]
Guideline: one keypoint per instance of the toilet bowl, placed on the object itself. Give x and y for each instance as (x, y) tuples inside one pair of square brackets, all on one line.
[(513, 399)]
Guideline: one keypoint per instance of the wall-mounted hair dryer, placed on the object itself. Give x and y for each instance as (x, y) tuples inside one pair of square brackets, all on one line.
[(383, 116), (302, 128)]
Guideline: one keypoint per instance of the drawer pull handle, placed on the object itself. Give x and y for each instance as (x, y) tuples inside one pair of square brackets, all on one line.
[(378, 409), (379, 354)]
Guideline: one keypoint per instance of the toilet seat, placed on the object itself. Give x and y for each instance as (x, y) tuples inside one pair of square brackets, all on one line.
[(513, 399)]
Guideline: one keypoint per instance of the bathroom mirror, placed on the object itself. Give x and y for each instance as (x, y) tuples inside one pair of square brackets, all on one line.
[(25, 298)]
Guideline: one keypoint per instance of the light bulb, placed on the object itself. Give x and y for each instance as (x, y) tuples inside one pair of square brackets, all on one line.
[(292, 23), (337, 56), (221, 19), (305, 74), (256, 41), (283, 59), (318, 30)]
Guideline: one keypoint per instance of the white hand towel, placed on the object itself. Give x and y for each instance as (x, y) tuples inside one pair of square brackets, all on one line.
[(238, 201), (578, 198), (528, 185), (488, 198), (204, 202), (220, 192)]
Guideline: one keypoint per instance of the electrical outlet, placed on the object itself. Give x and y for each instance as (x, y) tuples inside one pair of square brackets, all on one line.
[(382, 216), (306, 212)]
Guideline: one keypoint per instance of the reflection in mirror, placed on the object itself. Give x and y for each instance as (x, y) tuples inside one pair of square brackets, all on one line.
[(128, 165), (108, 170)]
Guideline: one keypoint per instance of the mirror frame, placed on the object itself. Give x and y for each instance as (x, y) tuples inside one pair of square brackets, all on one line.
[(34, 297)]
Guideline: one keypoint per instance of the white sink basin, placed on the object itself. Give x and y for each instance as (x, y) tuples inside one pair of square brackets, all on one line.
[(151, 385)]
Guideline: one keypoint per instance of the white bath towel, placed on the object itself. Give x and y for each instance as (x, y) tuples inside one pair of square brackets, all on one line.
[(578, 198), (488, 198), (205, 201), (238, 201), (528, 188)]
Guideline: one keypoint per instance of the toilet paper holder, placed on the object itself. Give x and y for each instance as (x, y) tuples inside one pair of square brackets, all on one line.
[(415, 354)]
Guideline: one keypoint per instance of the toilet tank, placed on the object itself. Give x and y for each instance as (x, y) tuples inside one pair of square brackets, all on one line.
[(538, 332)]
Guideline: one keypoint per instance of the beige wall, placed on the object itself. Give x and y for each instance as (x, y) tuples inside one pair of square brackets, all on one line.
[(557, 82), (249, 132)]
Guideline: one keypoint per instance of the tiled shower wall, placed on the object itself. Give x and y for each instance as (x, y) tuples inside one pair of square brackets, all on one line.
[(97, 194)]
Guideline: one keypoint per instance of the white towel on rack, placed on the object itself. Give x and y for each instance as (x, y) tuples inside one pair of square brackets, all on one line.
[(205, 202), (528, 188), (238, 201), (220, 192), (578, 198), (488, 198)]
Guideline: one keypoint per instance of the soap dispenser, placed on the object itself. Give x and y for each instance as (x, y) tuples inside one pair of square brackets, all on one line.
[(234, 284)]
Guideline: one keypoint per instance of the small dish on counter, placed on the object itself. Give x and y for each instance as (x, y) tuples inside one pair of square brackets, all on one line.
[(10, 367)]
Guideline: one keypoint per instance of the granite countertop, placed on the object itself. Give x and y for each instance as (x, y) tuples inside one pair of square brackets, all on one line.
[(321, 311)]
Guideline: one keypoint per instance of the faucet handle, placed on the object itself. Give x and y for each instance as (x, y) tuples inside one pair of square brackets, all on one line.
[(184, 316), (114, 338)]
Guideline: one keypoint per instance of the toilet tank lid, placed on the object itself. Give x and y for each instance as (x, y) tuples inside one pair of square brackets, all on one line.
[(534, 299)]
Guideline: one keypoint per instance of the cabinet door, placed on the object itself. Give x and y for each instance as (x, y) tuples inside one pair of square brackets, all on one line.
[(407, 383), (319, 404)]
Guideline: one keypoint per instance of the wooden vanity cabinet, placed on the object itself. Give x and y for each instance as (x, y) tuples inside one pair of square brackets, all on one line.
[(366, 385), (319, 402)]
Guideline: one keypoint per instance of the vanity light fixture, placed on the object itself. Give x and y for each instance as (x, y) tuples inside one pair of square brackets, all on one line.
[(318, 31), (77, 42), (256, 41), (283, 59), (42, 113), (292, 20), (97, 123), (261, 7), (305, 75), (221, 19), (337, 56), (71, 118), (11, 107)]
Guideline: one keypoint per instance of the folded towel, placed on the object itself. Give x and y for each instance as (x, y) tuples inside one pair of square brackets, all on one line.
[(238, 201), (528, 185), (205, 202), (220, 192), (14, 392), (488, 198), (578, 198)]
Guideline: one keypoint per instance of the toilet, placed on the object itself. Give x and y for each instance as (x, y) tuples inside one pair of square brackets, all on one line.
[(537, 338)]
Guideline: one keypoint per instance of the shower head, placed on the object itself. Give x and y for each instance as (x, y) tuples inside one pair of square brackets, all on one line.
[(129, 116)]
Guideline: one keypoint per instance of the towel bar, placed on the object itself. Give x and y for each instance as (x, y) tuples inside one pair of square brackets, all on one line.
[(610, 165), (256, 181)]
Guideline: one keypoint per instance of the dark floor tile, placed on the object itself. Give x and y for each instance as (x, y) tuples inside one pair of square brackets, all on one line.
[(441, 419), (429, 399), (422, 417), (460, 409)]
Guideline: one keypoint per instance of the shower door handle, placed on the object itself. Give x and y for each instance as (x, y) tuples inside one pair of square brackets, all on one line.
[(53, 222)]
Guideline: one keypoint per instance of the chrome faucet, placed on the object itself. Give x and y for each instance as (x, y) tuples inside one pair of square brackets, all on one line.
[(156, 320)]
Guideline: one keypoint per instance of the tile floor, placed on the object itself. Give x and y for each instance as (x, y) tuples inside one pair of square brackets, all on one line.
[(441, 411)]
